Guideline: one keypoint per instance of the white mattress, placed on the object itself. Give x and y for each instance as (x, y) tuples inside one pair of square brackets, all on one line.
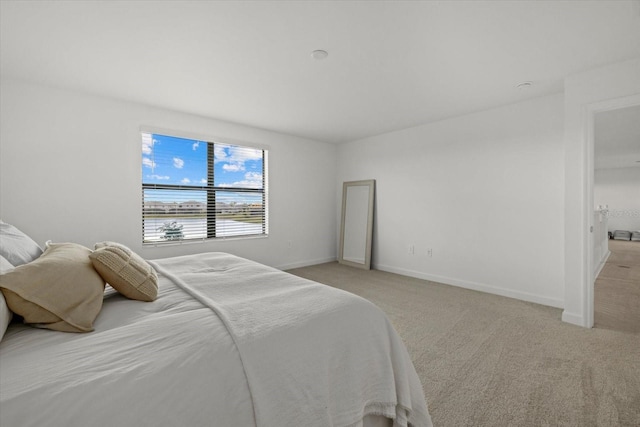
[(170, 362)]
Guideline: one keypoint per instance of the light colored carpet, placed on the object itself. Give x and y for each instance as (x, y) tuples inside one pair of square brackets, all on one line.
[(486, 360)]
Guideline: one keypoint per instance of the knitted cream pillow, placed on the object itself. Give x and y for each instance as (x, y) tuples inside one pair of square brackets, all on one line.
[(125, 271)]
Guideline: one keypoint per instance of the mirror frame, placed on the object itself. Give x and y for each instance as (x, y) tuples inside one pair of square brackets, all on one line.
[(371, 184)]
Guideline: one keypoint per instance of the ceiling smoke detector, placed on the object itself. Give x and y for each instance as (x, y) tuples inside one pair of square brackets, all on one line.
[(319, 54)]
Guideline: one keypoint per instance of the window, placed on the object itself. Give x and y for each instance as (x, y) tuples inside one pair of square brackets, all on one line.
[(196, 190)]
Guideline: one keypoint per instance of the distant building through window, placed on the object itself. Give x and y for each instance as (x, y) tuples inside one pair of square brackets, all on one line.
[(197, 190)]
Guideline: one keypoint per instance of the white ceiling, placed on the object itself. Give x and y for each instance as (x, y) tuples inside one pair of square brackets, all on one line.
[(391, 65)]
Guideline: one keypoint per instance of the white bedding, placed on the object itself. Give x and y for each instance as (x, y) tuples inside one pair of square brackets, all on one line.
[(253, 341)]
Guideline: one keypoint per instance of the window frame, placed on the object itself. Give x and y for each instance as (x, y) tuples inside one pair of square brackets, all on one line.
[(212, 216)]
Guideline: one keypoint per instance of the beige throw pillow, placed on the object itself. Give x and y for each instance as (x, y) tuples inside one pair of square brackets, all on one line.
[(125, 271), (60, 290)]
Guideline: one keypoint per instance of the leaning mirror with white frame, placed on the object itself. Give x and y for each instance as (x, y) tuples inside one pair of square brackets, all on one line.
[(356, 228)]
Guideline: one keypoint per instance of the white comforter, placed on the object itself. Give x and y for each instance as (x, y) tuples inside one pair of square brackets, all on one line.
[(228, 343)]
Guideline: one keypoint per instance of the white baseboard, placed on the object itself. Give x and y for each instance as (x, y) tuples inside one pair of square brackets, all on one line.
[(524, 296), (301, 264), (603, 261), (574, 319)]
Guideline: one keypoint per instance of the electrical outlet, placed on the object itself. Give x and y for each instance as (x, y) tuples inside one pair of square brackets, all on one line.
[(412, 250), (430, 252)]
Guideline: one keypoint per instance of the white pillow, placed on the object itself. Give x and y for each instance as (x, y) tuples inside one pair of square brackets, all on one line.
[(5, 313), (5, 265), (17, 247)]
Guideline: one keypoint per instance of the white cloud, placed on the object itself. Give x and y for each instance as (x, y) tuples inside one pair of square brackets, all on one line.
[(253, 176), (158, 176), (178, 162), (148, 163), (185, 181), (252, 180), (234, 158), (147, 143), (233, 167), (219, 154), (242, 154), (195, 145), (244, 184), (203, 181), (236, 154)]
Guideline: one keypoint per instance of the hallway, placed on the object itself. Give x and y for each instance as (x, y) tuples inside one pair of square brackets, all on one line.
[(617, 289)]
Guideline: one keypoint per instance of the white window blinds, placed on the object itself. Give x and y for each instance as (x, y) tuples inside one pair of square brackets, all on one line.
[(196, 190)]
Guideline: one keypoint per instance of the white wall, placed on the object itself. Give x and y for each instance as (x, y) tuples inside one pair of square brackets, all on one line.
[(483, 191), (620, 189), (613, 86), (70, 168)]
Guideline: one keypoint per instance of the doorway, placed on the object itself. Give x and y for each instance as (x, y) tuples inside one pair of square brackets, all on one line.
[(615, 199)]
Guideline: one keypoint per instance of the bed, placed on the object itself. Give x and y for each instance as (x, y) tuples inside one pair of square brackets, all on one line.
[(225, 342)]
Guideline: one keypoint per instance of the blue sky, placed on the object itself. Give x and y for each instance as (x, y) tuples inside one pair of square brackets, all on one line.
[(180, 161)]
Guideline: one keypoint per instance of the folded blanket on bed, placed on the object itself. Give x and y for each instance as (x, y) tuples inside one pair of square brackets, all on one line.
[(313, 355)]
